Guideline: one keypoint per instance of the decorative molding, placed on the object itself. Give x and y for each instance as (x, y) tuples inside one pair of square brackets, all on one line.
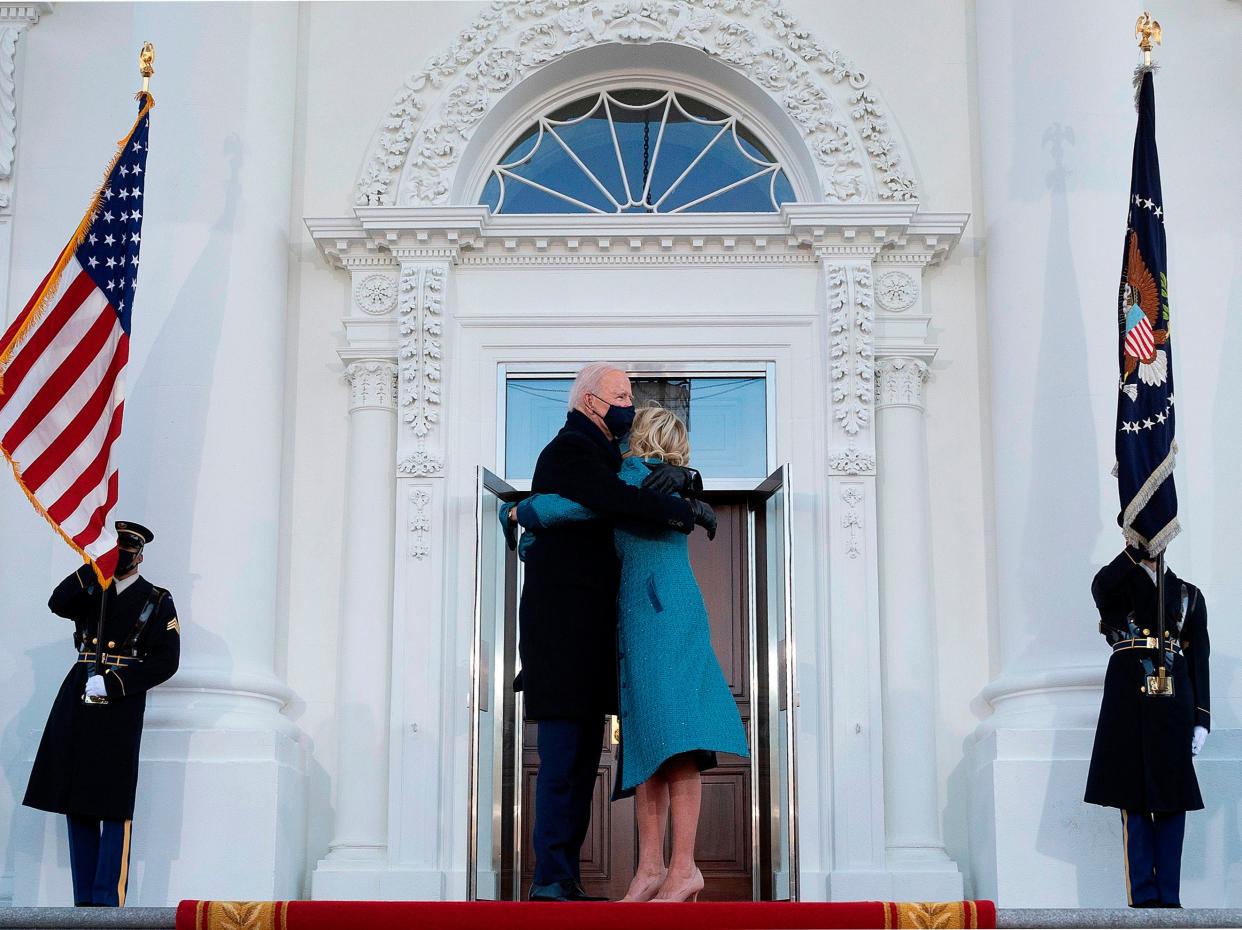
[(421, 139), (897, 291), (14, 21), (420, 523), (850, 322), (375, 238), (420, 310), (852, 461), (373, 384), (852, 519), (900, 381), (421, 464), (376, 294)]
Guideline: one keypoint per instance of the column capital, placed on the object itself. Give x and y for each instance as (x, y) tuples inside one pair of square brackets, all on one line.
[(899, 381), (373, 384)]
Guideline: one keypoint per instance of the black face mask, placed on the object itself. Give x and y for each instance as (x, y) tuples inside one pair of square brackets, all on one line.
[(126, 561), (617, 419)]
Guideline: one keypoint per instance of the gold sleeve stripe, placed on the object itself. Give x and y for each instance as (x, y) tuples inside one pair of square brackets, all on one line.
[(174, 626)]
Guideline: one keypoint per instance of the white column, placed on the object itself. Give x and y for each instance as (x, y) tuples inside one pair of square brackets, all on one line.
[(359, 849), (914, 847), (1052, 400)]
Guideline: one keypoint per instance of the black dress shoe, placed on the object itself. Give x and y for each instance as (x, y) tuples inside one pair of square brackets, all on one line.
[(1152, 903), (578, 893), (554, 891), (561, 891)]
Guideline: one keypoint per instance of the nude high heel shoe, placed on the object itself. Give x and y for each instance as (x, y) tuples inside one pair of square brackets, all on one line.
[(648, 890), (688, 892)]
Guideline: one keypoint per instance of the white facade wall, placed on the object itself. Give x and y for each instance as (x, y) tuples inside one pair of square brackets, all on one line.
[(236, 444)]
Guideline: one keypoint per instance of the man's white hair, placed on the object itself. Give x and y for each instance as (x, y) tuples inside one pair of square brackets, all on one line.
[(589, 381)]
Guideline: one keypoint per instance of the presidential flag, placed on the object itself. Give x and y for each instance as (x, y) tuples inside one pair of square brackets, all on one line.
[(1145, 443), (62, 363)]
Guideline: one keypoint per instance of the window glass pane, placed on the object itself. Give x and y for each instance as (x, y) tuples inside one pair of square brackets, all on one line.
[(640, 139), (727, 421)]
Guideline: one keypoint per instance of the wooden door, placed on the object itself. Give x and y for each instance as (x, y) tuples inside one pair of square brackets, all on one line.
[(723, 844)]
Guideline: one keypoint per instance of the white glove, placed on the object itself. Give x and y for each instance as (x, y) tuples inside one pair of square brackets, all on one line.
[(95, 687), (1197, 741)]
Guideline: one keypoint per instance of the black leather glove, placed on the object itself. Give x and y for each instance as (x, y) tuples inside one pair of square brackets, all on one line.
[(673, 479), (704, 516)]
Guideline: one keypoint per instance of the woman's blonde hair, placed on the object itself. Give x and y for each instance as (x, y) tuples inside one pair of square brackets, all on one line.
[(659, 433)]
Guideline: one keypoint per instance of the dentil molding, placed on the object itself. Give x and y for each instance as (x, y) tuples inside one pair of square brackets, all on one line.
[(900, 381), (799, 233), (373, 384), (418, 147)]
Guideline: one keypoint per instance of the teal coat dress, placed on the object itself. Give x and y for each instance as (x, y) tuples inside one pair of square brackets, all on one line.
[(674, 698)]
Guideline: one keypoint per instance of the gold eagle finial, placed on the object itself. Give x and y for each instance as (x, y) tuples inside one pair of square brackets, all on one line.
[(1147, 31), (146, 65)]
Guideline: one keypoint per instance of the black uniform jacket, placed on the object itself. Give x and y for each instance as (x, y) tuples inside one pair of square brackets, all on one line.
[(568, 615), (87, 762), (1142, 759)]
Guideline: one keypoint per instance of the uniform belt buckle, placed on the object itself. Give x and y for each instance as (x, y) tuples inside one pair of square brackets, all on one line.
[(1153, 642)]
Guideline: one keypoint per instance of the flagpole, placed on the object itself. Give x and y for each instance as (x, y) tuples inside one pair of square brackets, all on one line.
[(1148, 32)]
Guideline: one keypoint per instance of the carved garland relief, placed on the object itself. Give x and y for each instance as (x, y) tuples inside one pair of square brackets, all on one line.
[(420, 311), (851, 354), (423, 134)]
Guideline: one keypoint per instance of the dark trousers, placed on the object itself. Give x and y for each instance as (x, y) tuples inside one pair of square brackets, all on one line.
[(1153, 856), (569, 753), (99, 861)]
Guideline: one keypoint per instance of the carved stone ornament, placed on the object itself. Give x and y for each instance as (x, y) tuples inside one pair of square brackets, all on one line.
[(376, 294), (420, 523), (417, 147), (850, 321), (420, 316), (852, 519), (900, 381), (373, 383), (14, 21), (852, 461), (897, 291), (421, 464)]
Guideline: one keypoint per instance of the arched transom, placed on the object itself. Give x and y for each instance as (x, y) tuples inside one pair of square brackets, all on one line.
[(416, 152)]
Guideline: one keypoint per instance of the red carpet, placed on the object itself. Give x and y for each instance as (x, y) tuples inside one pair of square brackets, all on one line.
[(486, 915)]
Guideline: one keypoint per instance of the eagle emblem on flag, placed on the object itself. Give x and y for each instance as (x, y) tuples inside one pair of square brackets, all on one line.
[(1141, 310)]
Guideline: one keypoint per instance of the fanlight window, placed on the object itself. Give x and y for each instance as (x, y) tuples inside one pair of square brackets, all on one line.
[(637, 151)]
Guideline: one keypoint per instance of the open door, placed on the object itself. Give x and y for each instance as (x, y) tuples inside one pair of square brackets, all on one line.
[(491, 870), (772, 726)]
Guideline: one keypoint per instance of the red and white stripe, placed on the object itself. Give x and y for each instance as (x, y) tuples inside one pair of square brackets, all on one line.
[(1140, 340), (61, 408)]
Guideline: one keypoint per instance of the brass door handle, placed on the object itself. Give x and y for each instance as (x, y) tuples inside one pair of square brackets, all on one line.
[(614, 730)]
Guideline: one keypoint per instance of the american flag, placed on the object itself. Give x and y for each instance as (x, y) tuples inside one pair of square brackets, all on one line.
[(62, 363)]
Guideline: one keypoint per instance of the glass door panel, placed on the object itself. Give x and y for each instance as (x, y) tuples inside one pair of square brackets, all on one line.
[(773, 732), (493, 657)]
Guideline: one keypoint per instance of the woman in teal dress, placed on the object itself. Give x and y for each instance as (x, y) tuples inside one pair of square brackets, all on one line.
[(677, 710)]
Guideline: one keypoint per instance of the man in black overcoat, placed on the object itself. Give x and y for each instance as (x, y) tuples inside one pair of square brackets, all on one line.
[(568, 614), (1142, 761), (87, 764)]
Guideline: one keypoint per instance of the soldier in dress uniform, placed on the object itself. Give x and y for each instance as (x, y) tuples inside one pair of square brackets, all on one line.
[(87, 764), (1142, 762)]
